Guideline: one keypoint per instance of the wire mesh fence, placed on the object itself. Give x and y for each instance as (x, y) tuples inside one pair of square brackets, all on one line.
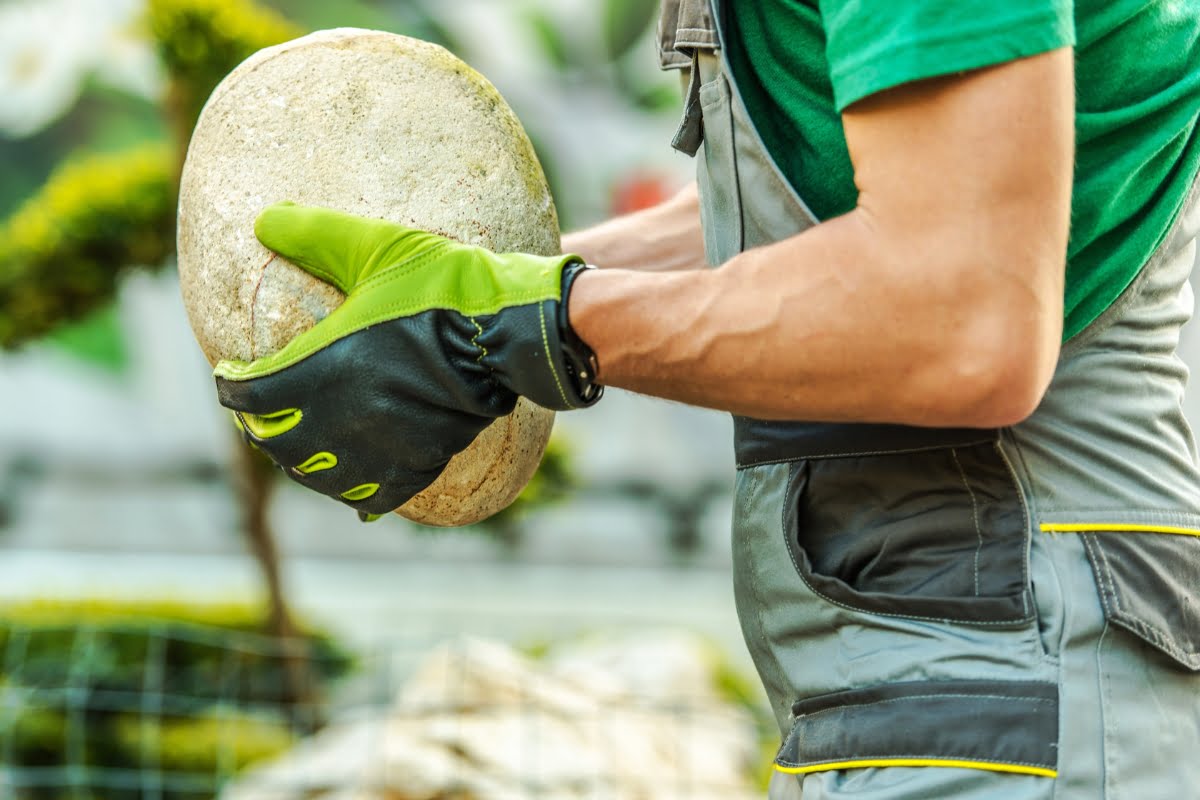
[(170, 710), (153, 709)]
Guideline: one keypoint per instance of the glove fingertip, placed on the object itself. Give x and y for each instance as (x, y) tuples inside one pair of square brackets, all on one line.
[(272, 221), (236, 395), (230, 369)]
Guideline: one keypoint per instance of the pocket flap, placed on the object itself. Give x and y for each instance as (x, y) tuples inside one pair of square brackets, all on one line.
[(683, 26), (1001, 726), (1150, 585)]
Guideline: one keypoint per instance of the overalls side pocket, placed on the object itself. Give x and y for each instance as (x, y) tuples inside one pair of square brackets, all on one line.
[(940, 534)]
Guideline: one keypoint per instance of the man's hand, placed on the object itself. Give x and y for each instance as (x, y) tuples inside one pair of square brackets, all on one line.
[(435, 340)]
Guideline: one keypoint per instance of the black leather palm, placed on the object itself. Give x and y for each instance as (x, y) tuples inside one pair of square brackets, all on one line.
[(395, 401)]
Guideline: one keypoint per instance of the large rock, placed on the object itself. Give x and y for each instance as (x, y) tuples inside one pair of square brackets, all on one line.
[(375, 124)]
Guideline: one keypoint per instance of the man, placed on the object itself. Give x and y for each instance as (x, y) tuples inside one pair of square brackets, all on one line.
[(952, 244)]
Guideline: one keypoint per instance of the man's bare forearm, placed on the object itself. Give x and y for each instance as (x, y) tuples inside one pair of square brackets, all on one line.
[(937, 301), (663, 238), (824, 326)]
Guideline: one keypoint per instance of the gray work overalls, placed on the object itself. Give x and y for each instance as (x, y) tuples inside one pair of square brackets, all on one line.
[(1000, 614)]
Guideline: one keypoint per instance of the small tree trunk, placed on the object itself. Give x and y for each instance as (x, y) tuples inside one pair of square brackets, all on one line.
[(255, 481)]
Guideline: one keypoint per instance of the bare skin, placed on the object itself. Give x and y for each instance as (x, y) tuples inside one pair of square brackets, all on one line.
[(936, 301), (665, 238)]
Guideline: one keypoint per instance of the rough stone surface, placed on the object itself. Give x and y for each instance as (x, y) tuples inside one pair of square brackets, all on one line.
[(375, 124), (478, 721)]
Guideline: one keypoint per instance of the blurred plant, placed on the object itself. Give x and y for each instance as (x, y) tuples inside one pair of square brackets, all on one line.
[(193, 693), (49, 49), (552, 482), (218, 741), (623, 26), (624, 23), (736, 687), (200, 41), (62, 252), (43, 61)]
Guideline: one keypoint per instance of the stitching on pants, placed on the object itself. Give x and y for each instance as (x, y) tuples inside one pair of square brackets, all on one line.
[(1105, 704), (935, 696), (1152, 634), (946, 620), (791, 551), (1026, 580), (853, 453), (974, 513), (760, 605)]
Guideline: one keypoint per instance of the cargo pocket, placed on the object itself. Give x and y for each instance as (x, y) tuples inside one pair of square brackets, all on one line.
[(1149, 584), (999, 726), (940, 534)]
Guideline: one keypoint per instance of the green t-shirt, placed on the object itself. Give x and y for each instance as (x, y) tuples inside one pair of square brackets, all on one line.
[(798, 63)]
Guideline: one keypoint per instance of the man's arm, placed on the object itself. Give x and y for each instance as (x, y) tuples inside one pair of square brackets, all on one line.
[(663, 238), (936, 301)]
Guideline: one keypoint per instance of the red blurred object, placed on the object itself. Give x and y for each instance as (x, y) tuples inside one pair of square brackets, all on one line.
[(640, 190)]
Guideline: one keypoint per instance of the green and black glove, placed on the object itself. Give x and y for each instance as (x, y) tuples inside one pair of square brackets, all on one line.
[(435, 340)]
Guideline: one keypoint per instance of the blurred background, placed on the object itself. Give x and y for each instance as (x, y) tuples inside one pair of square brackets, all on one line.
[(177, 623), (174, 621)]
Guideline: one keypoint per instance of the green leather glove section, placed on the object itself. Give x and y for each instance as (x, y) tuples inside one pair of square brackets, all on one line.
[(434, 341)]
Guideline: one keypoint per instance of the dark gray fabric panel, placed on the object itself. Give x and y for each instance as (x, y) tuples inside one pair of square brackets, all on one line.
[(936, 534), (759, 441), (1001, 722), (1150, 585)]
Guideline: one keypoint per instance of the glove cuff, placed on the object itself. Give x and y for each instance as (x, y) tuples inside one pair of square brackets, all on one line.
[(580, 360)]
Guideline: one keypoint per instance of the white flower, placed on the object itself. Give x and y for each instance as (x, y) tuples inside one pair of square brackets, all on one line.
[(44, 58), (125, 58), (49, 47)]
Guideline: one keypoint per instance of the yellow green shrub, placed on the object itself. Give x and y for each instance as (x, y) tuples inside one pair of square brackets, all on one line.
[(201, 41), (62, 251), (220, 740), (191, 692)]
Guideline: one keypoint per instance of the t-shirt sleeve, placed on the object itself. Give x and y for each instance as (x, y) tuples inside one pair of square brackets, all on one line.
[(872, 45)]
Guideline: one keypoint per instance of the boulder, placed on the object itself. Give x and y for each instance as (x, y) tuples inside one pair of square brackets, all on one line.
[(375, 124)]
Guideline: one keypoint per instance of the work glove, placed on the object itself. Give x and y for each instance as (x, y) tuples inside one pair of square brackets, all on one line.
[(434, 341)]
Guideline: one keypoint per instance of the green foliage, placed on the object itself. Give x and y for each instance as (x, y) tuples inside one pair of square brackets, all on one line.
[(38, 734), (552, 41), (737, 688), (113, 643), (196, 693), (62, 251), (97, 339), (106, 119), (552, 482), (219, 740), (624, 23), (201, 41)]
